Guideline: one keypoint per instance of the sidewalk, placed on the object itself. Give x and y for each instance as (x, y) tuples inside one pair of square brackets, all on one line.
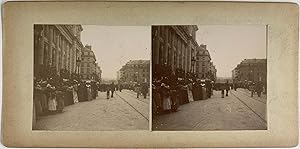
[(215, 113), (95, 115), (262, 98)]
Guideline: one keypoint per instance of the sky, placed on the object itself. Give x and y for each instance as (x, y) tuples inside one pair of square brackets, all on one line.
[(115, 45), (230, 44)]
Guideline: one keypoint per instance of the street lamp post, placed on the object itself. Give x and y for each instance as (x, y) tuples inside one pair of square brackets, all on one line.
[(137, 77), (78, 61), (193, 64)]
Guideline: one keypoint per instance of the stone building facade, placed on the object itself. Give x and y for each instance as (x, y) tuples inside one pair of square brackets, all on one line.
[(56, 49), (88, 63), (204, 66), (175, 46), (135, 71), (251, 70)]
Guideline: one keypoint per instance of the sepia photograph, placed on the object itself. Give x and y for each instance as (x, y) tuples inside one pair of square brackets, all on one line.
[(209, 77), (91, 78), (147, 74)]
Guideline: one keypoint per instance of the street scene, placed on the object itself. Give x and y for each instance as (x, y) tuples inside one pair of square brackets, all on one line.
[(91, 78), (209, 77)]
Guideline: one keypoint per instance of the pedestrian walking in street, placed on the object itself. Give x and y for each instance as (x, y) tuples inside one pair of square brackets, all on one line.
[(137, 90), (144, 90), (112, 88), (259, 88), (222, 87), (107, 91), (252, 88), (227, 88)]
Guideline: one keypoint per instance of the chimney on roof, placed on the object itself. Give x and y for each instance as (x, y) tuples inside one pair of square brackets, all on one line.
[(88, 47), (203, 46)]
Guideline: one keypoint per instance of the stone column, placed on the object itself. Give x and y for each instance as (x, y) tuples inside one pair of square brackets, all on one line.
[(50, 44), (155, 45), (41, 46)]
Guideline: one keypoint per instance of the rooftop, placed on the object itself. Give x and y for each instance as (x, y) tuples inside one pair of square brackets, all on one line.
[(138, 62), (248, 61)]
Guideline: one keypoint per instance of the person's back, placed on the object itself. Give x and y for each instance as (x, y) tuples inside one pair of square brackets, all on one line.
[(107, 87), (112, 87)]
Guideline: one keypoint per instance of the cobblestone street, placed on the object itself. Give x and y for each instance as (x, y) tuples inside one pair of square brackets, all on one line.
[(123, 112), (238, 111)]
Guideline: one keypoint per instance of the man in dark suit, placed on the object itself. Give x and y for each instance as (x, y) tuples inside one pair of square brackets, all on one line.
[(112, 89)]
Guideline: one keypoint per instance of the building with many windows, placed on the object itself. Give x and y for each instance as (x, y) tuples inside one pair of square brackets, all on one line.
[(88, 63), (251, 70), (204, 66), (135, 71), (174, 46), (56, 50)]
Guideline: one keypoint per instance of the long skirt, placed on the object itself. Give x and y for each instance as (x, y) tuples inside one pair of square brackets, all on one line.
[(75, 97), (204, 95), (190, 95), (44, 103), (167, 103), (183, 96), (60, 104), (68, 98), (52, 103), (89, 94)]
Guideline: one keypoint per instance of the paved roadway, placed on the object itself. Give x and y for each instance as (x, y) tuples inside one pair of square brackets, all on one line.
[(123, 112), (238, 111)]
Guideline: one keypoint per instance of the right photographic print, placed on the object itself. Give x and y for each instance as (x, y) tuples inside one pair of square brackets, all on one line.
[(209, 77)]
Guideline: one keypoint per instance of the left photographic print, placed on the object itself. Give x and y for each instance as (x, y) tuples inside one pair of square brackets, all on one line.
[(91, 77)]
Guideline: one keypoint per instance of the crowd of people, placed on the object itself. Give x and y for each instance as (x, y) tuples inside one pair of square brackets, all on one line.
[(254, 87), (53, 94), (139, 88), (171, 89)]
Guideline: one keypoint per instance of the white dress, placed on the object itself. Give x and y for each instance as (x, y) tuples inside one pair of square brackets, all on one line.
[(75, 97), (167, 103), (52, 104)]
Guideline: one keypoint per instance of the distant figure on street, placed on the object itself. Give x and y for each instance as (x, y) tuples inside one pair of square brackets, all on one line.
[(107, 91), (222, 87), (112, 89), (252, 88), (259, 88), (227, 88), (144, 90), (138, 90)]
